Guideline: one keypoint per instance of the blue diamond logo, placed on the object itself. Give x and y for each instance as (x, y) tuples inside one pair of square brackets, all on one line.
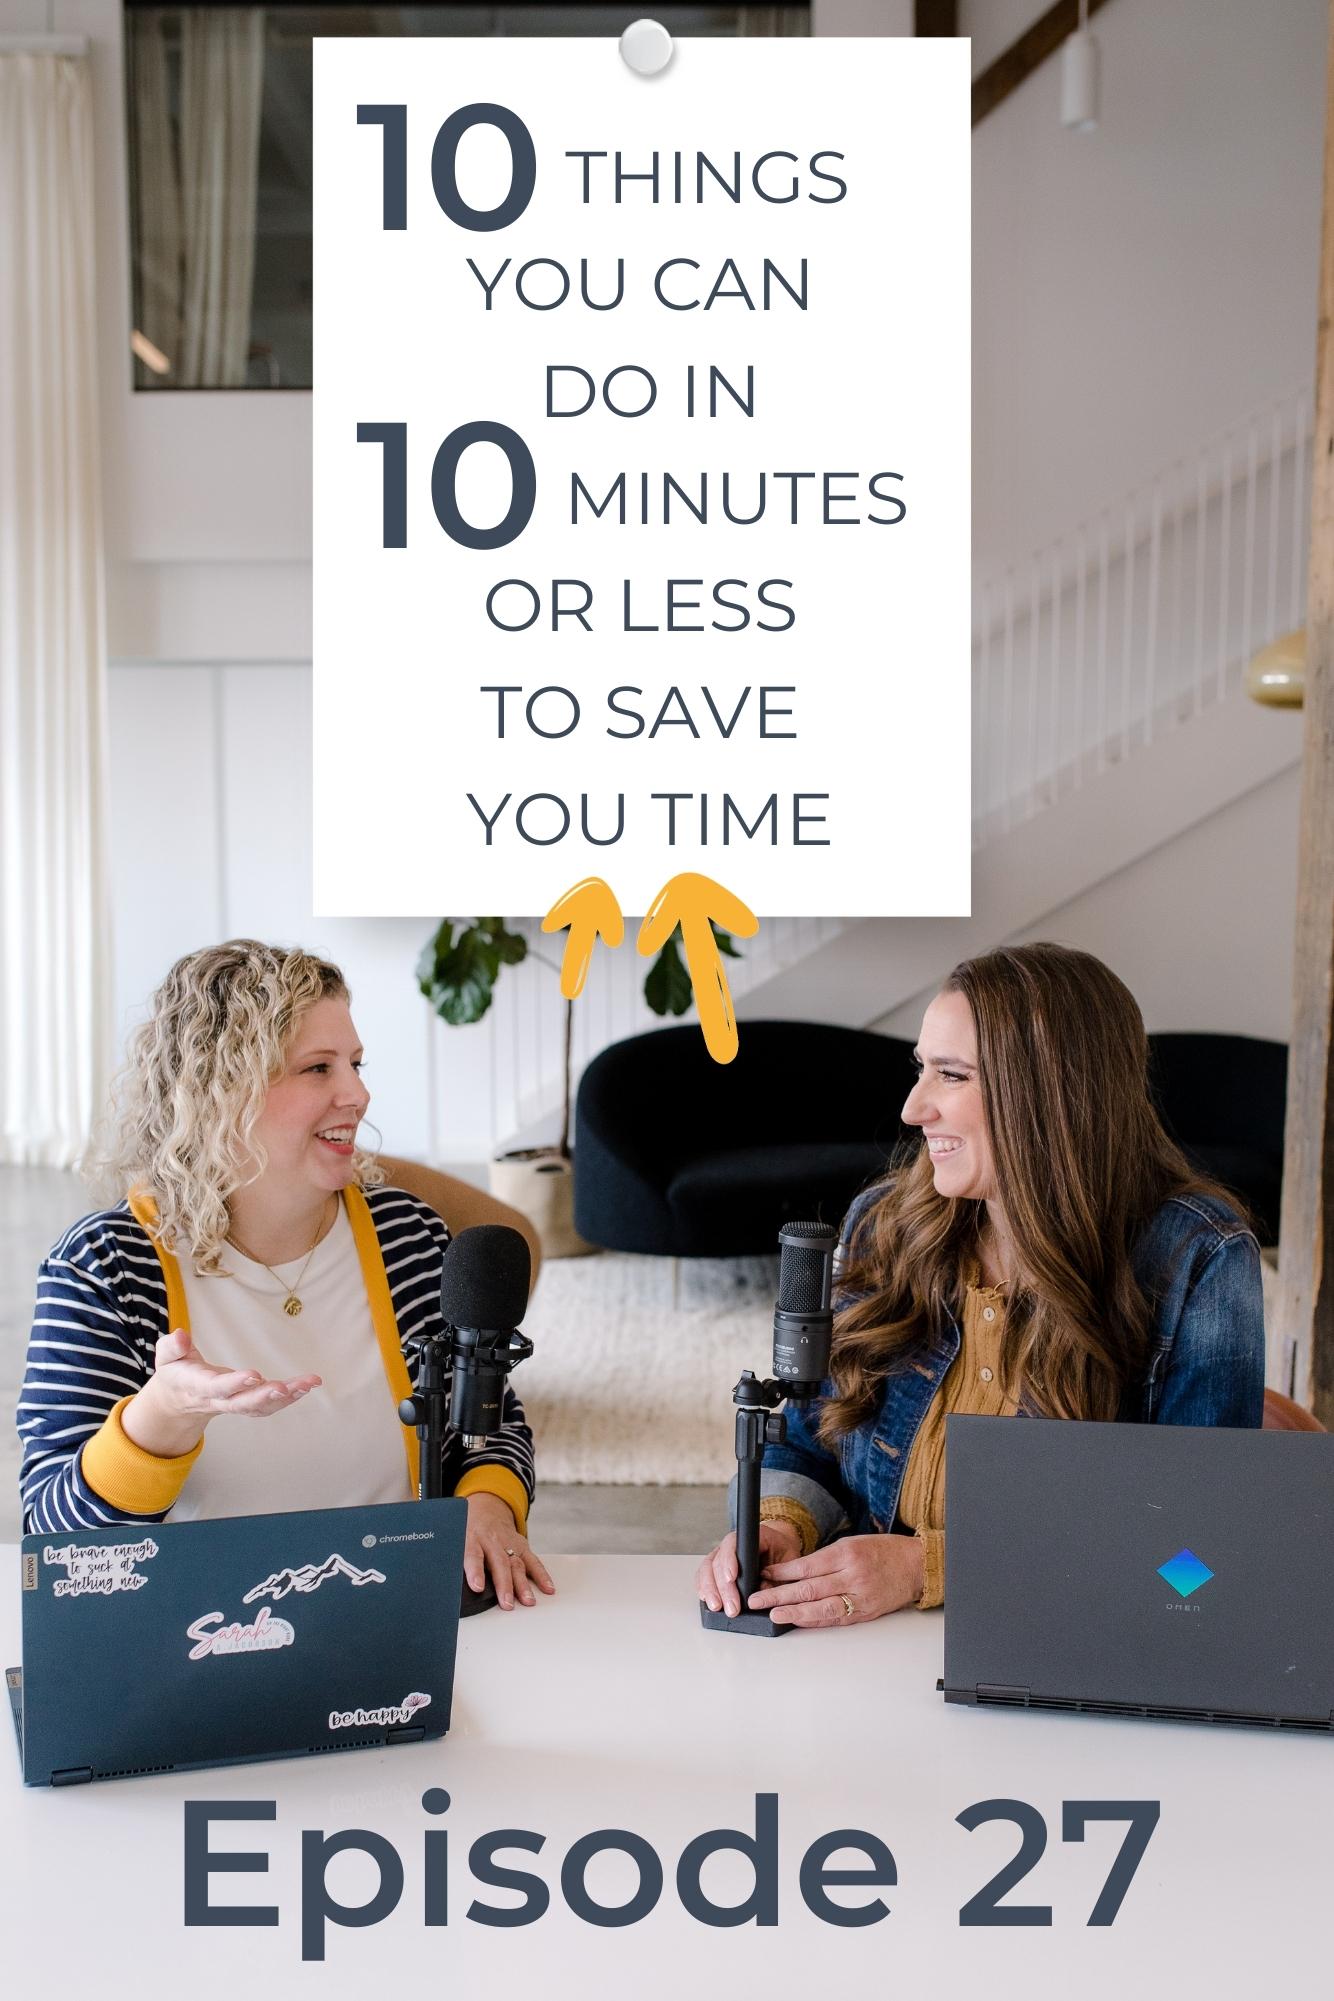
[(1184, 1572)]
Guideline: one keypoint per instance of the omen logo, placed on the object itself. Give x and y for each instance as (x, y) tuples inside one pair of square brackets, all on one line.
[(1185, 1572)]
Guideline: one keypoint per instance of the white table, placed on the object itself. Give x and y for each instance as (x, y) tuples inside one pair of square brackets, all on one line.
[(609, 1707)]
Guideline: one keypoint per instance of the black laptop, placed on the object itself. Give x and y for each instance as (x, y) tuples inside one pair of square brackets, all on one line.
[(164, 1648), (1141, 1570)]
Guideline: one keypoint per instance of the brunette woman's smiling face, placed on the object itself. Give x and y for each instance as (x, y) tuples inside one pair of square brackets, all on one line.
[(946, 1102)]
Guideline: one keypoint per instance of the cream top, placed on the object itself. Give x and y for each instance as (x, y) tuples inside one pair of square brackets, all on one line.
[(342, 1445)]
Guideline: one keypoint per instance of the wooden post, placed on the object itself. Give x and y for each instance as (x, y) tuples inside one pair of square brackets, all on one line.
[(1306, 1255)]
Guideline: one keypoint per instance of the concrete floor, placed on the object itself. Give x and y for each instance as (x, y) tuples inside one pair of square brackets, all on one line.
[(37, 1203)]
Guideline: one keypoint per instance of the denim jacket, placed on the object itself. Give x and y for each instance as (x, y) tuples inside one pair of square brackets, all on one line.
[(1199, 1267)]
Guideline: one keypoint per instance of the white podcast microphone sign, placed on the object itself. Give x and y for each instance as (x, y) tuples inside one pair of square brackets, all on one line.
[(642, 473)]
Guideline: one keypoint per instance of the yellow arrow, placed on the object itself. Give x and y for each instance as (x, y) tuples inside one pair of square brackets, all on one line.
[(696, 903), (587, 909)]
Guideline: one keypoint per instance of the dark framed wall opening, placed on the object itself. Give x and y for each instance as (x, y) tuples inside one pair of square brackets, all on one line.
[(218, 104)]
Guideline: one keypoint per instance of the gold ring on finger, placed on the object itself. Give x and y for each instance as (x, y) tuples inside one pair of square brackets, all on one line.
[(848, 1607)]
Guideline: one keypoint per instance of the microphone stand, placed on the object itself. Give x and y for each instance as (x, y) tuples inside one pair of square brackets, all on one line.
[(759, 1422), (427, 1411), (803, 1329)]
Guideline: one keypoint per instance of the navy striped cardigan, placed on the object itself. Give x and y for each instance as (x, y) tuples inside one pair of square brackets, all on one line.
[(107, 1294)]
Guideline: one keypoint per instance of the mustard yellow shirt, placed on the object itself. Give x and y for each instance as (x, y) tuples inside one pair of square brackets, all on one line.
[(972, 1387)]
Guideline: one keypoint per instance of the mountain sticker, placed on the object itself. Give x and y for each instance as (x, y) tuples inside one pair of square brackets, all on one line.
[(309, 1577)]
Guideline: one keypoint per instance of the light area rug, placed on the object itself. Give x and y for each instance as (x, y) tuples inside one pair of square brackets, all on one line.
[(634, 1363)]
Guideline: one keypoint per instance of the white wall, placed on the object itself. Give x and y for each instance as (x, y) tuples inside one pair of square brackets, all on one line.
[(1141, 288), (210, 808), (1201, 930)]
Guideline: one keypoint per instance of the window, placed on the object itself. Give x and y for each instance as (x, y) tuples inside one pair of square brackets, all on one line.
[(219, 109)]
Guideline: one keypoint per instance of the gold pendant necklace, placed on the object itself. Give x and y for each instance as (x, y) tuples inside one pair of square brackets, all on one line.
[(292, 1303)]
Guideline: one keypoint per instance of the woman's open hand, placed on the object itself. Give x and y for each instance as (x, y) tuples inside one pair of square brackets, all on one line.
[(859, 1577), (495, 1544), (185, 1393), (716, 1578)]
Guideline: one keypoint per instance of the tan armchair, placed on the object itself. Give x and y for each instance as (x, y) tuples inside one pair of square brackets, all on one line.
[(458, 1202), (1282, 1414)]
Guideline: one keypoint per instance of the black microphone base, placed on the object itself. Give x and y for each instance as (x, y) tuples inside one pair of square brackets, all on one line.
[(477, 1601), (757, 1623)]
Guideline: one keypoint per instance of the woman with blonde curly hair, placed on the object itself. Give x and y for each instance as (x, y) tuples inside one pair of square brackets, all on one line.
[(256, 1268), (1044, 1251)]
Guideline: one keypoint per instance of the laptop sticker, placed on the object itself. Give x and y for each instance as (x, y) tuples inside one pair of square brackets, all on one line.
[(309, 1577), (99, 1568), (395, 1712), (262, 1637), (1185, 1572)]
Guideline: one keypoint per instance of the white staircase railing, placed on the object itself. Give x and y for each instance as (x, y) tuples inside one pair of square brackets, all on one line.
[(1138, 619), (1128, 626)]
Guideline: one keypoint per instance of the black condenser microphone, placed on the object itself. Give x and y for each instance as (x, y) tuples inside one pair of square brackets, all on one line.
[(484, 1282), (803, 1318)]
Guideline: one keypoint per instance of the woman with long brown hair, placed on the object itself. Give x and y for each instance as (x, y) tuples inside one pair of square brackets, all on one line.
[(1046, 1250)]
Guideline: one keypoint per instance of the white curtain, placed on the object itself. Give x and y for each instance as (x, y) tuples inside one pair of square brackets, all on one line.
[(222, 82), (761, 20), (157, 192), (196, 187), (55, 953)]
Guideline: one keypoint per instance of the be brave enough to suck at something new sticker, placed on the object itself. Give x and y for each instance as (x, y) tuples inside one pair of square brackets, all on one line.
[(98, 1569)]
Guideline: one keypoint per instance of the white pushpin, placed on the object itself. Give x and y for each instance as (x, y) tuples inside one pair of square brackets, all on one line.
[(646, 47)]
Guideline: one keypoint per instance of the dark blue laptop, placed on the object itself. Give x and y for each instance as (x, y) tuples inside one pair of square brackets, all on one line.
[(165, 1648)]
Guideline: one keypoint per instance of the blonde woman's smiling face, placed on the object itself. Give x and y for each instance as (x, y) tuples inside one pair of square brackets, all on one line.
[(308, 1127), (946, 1102)]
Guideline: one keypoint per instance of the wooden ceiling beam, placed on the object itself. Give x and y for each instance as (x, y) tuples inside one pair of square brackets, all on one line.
[(1025, 55)]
